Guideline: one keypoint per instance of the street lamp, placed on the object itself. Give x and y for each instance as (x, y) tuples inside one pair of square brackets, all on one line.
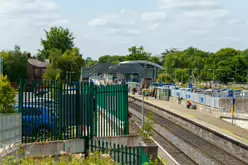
[(88, 61), (233, 81), (143, 115)]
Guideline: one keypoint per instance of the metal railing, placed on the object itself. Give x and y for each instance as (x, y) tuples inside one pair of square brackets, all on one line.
[(10, 130), (197, 98), (59, 111), (120, 154)]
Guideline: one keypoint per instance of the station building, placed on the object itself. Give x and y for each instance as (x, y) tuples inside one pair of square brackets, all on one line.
[(128, 71)]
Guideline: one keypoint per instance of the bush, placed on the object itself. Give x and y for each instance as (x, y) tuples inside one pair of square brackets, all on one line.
[(70, 159), (147, 130), (165, 78), (7, 96)]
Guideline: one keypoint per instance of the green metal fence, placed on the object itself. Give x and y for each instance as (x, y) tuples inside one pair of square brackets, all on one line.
[(120, 154), (112, 105), (59, 111)]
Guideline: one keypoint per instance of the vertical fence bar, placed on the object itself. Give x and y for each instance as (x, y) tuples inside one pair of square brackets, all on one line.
[(53, 100), (116, 110), (61, 107), (98, 111), (105, 110), (126, 109), (130, 155), (134, 156), (126, 154), (122, 154), (114, 152), (119, 109), (21, 105), (118, 151)]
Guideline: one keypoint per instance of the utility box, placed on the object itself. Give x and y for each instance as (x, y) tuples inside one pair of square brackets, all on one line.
[(162, 93)]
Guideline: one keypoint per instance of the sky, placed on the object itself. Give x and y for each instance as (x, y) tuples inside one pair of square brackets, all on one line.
[(110, 27)]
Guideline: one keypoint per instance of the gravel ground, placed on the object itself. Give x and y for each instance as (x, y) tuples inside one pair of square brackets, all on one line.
[(192, 152)]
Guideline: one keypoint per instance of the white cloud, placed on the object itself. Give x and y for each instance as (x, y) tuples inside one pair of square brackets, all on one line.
[(188, 4), (153, 26), (153, 16), (35, 12), (214, 14), (111, 20)]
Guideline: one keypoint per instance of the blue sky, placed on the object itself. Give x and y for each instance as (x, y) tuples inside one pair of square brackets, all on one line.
[(111, 26)]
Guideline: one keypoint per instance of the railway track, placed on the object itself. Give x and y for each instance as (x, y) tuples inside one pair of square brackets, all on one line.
[(204, 151), (175, 152)]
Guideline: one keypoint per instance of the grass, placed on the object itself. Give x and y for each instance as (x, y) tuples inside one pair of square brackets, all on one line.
[(96, 158)]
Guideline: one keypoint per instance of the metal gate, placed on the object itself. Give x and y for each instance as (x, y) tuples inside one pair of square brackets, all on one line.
[(52, 110)]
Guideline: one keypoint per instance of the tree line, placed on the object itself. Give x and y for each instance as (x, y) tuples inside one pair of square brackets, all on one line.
[(189, 65)]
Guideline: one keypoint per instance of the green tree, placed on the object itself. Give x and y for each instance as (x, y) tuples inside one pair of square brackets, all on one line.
[(67, 65), (56, 38), (165, 78), (112, 59), (182, 75), (227, 64), (15, 64), (7, 95), (138, 54), (156, 60), (166, 52)]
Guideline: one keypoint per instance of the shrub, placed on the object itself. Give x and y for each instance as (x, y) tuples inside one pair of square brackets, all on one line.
[(147, 130), (7, 96), (69, 159)]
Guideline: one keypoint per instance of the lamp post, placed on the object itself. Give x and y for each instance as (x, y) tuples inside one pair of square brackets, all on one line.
[(88, 61), (143, 115)]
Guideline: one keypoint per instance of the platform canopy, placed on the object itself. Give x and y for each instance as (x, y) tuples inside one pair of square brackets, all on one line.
[(148, 64)]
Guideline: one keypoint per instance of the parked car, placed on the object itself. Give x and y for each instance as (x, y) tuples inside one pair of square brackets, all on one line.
[(37, 121)]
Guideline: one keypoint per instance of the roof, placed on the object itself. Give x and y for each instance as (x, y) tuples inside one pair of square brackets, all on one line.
[(143, 62), (108, 68), (130, 68), (37, 63)]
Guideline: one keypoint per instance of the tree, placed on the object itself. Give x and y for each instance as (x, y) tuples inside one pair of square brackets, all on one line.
[(67, 65), (228, 64), (165, 78), (56, 38), (182, 75), (15, 64), (138, 54), (7, 95), (166, 52), (156, 60), (112, 59)]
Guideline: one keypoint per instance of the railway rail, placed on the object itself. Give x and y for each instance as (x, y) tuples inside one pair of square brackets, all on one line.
[(174, 151), (204, 150)]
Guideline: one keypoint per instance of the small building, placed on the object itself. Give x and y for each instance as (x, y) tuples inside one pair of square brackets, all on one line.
[(36, 69), (162, 93)]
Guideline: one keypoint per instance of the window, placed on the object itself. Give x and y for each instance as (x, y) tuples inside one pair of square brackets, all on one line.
[(44, 70)]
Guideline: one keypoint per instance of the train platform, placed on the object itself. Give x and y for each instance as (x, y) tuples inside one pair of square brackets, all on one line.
[(211, 122)]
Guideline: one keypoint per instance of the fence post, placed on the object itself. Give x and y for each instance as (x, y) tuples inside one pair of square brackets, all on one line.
[(126, 131), (86, 142), (21, 85)]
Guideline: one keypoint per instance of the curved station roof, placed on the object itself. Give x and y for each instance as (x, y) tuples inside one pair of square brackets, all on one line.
[(143, 62)]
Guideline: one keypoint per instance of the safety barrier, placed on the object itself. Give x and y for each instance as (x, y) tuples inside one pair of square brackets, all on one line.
[(10, 130), (197, 98)]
